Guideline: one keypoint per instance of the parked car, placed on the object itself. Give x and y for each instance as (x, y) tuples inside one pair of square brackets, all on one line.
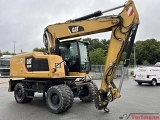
[(149, 75)]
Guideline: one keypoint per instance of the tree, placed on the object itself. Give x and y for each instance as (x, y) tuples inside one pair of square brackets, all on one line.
[(0, 54), (98, 56), (98, 49), (96, 43), (42, 49), (148, 51), (145, 62), (7, 53), (123, 57)]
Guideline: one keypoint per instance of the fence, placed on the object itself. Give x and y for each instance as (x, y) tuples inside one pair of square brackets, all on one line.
[(97, 72)]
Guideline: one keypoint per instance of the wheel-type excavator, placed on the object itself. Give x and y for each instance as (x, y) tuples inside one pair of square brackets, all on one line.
[(61, 73)]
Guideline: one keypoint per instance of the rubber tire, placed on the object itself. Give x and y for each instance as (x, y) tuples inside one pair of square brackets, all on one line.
[(154, 82), (139, 83), (23, 98), (87, 92), (70, 95), (63, 99)]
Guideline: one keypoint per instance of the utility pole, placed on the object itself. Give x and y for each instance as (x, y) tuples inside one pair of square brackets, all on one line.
[(14, 42)]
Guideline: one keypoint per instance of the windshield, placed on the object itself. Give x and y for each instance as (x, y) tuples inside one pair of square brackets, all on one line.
[(71, 52), (83, 53), (84, 56), (75, 55)]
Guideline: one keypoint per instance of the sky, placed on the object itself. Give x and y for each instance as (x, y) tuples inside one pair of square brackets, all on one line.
[(24, 21)]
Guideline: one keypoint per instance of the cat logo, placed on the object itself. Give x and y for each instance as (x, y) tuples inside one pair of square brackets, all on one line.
[(74, 29)]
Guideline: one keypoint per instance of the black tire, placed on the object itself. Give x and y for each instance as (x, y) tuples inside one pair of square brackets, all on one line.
[(139, 83), (20, 94), (87, 92), (154, 82), (70, 95), (57, 99)]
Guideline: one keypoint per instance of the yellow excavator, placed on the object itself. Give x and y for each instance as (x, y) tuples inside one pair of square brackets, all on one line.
[(61, 73)]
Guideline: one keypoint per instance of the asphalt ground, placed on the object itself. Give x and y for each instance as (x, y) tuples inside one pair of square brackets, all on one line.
[(135, 99)]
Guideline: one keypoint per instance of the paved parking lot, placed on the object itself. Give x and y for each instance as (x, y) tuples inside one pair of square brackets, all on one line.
[(135, 99)]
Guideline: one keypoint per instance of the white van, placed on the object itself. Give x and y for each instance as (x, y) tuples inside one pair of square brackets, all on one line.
[(147, 75)]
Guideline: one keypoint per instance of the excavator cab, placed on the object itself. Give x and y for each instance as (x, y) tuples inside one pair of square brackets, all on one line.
[(75, 53)]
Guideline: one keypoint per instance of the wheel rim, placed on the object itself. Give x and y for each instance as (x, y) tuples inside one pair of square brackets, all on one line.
[(55, 99), (19, 93), (153, 82)]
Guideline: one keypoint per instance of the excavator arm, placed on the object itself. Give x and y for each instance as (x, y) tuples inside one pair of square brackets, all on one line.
[(71, 29), (123, 28)]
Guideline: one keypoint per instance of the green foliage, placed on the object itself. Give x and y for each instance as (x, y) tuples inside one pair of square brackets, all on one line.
[(6, 53), (121, 63), (0, 54), (42, 49), (98, 56), (98, 50), (96, 43), (145, 62), (148, 50)]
